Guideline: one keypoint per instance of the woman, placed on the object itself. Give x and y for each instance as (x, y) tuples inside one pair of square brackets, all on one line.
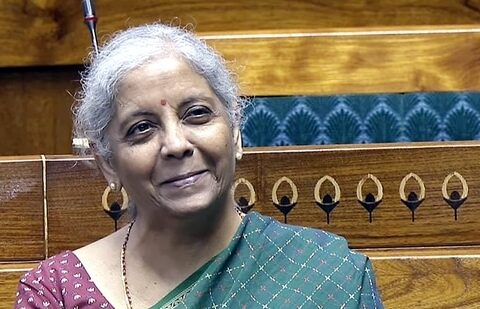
[(162, 114)]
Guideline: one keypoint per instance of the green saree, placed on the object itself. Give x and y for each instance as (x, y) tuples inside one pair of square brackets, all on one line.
[(272, 265)]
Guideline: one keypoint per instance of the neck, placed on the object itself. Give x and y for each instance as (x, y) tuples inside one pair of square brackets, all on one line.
[(174, 247)]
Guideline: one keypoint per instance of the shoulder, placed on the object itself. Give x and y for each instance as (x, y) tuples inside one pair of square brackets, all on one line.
[(56, 267), (60, 281), (46, 283)]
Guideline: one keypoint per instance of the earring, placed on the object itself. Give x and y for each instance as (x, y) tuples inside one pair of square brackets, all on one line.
[(113, 186)]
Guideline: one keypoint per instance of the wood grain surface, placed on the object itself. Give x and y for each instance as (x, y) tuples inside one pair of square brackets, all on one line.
[(434, 277), (51, 32), (349, 61), (9, 276), (424, 283), (21, 210), (383, 63), (392, 224), (35, 105), (421, 252)]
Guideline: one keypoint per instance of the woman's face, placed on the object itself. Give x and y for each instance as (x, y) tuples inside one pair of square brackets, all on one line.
[(172, 144)]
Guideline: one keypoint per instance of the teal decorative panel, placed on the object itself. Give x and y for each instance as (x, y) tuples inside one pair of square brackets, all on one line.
[(347, 119)]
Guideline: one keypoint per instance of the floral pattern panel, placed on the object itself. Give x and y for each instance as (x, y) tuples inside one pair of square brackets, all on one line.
[(353, 119)]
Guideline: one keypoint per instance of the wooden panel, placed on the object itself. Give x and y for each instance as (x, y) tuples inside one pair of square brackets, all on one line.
[(35, 112), (392, 224), (451, 282), (421, 252), (51, 32), (9, 277), (324, 64), (438, 277), (21, 209), (283, 14), (319, 63)]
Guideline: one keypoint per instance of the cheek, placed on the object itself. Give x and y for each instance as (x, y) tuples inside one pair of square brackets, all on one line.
[(217, 137), (222, 144), (226, 154), (216, 147), (132, 162)]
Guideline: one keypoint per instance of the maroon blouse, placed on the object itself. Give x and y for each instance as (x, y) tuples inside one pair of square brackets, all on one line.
[(59, 282)]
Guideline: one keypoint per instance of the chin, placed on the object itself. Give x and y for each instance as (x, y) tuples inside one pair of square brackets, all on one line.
[(185, 208)]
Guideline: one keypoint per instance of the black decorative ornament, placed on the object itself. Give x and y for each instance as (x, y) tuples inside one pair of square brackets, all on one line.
[(412, 201), (455, 199), (285, 205), (370, 202), (327, 203)]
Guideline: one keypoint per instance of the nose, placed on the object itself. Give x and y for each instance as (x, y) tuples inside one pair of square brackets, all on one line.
[(175, 143)]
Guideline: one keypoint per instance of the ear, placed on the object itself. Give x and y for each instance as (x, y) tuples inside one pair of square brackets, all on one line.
[(107, 169), (237, 135)]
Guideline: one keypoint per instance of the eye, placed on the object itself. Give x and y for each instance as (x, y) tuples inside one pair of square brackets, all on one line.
[(198, 114), (139, 128)]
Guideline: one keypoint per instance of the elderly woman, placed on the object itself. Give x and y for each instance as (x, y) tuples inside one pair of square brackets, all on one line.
[(162, 114)]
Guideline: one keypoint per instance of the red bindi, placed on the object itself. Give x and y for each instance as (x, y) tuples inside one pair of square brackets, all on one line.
[(163, 102)]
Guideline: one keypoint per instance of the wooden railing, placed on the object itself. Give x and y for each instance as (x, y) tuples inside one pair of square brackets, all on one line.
[(423, 260)]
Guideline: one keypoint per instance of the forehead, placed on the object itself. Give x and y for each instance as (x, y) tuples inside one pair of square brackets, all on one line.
[(165, 78), (161, 70), (169, 78)]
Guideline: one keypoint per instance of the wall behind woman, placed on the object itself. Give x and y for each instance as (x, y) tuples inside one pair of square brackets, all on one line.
[(43, 43)]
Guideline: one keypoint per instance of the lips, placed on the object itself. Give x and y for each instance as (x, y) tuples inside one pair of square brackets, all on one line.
[(184, 179)]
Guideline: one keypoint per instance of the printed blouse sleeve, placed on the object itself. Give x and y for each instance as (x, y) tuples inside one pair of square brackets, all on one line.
[(36, 291), (369, 295)]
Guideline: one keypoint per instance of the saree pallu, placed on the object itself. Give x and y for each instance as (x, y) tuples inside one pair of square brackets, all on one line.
[(273, 265)]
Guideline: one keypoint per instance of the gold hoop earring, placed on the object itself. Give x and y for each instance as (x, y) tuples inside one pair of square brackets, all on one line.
[(115, 211), (107, 191)]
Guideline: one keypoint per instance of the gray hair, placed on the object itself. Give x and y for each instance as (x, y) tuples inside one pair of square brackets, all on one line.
[(132, 48)]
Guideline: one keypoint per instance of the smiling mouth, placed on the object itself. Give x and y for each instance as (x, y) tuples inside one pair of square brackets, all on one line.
[(185, 179)]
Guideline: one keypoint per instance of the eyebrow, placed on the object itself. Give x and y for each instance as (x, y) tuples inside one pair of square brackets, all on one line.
[(194, 98)]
